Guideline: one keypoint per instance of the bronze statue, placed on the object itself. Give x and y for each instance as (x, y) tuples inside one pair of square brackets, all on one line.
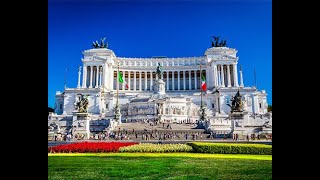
[(159, 71), (215, 42), (236, 103), (101, 45), (83, 103)]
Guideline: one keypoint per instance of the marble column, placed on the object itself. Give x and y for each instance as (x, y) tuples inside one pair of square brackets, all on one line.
[(241, 79), (151, 80), (215, 75), (111, 78), (179, 80), (190, 80), (123, 77), (229, 75), (100, 77), (167, 84), (184, 80), (91, 73), (172, 80), (195, 80), (104, 76), (97, 77), (79, 76), (222, 76), (134, 80), (129, 81), (140, 81), (145, 81), (84, 77), (219, 77), (235, 75)]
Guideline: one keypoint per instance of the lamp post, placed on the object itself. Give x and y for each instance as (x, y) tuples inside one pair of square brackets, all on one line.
[(117, 113), (202, 108)]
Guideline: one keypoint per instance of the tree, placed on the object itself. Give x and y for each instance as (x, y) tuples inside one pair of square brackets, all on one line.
[(269, 108), (50, 110)]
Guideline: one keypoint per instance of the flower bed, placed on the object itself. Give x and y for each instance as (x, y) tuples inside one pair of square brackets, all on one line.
[(92, 147), (159, 148), (231, 148)]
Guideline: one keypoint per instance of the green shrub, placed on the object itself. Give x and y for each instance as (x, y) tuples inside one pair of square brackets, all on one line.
[(231, 148), (158, 148)]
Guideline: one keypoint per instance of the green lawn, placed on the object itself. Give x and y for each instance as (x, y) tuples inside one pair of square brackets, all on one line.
[(159, 166)]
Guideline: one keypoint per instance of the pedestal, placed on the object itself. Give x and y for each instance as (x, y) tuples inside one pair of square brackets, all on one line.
[(81, 124), (159, 87), (117, 115), (238, 121)]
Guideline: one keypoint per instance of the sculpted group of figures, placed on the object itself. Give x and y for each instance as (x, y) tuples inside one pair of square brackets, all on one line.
[(179, 110), (82, 104), (141, 110), (237, 104)]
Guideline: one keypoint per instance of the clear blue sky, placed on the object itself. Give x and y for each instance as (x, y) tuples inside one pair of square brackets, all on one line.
[(158, 28)]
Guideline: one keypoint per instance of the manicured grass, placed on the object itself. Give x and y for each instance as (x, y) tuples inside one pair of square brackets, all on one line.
[(158, 166)]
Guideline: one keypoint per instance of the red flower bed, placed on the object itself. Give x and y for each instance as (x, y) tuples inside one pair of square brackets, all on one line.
[(89, 147)]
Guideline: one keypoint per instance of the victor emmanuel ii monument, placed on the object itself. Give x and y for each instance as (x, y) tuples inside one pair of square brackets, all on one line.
[(113, 89)]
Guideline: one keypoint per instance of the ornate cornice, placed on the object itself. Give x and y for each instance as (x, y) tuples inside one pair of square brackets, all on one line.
[(220, 50), (160, 59), (83, 90), (172, 68)]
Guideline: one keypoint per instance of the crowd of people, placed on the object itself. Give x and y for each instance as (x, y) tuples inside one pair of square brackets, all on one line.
[(162, 134)]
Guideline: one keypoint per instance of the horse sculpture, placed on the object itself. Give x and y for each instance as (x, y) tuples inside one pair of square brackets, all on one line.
[(101, 45)]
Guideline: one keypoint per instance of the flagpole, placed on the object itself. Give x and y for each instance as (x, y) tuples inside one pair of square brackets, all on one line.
[(200, 84), (118, 84)]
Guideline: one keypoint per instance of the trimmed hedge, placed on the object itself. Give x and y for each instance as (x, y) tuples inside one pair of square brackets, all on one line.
[(231, 148), (157, 148)]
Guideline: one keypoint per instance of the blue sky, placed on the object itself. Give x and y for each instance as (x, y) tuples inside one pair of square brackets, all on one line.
[(158, 28)]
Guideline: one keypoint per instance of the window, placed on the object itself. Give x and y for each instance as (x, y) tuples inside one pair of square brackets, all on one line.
[(107, 106), (260, 105), (212, 105), (60, 106)]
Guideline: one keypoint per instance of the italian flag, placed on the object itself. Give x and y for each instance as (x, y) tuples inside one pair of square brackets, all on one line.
[(203, 83), (121, 80)]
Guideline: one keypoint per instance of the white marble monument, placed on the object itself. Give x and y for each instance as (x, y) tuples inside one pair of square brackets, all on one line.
[(179, 83)]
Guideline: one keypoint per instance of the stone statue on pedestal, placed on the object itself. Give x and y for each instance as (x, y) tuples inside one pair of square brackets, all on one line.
[(237, 104), (159, 71)]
